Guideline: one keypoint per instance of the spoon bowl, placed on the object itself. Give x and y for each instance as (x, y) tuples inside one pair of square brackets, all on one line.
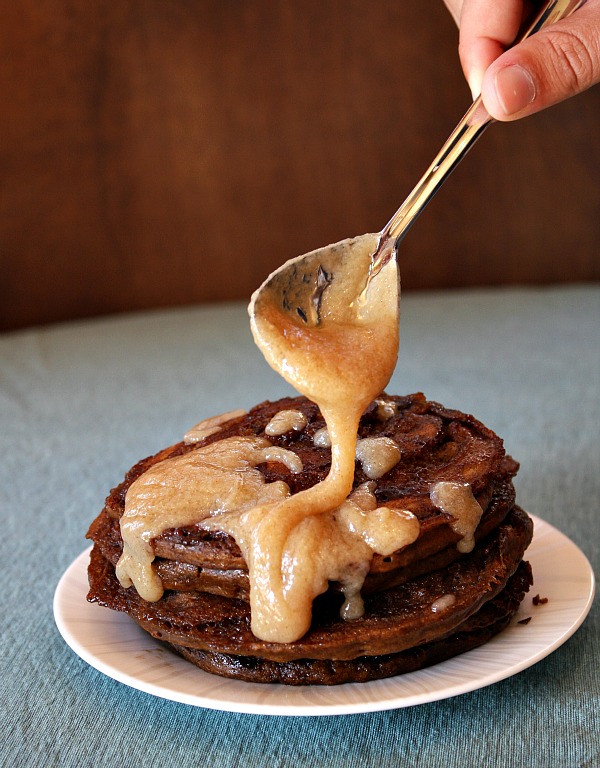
[(310, 315)]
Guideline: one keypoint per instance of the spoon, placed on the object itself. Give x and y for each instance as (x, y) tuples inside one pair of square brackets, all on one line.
[(460, 141), (299, 285), (328, 323)]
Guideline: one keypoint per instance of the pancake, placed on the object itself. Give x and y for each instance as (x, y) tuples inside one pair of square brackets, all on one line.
[(491, 619), (425, 602)]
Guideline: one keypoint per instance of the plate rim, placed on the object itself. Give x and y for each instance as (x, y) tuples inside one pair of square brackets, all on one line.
[(76, 573)]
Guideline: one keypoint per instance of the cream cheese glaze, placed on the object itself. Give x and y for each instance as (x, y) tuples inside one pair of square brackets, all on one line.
[(333, 545), (286, 421), (377, 456), (210, 426), (341, 362), (186, 489), (293, 545), (458, 501), (443, 603)]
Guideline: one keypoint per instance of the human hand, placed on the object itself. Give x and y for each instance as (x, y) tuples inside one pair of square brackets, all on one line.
[(554, 64)]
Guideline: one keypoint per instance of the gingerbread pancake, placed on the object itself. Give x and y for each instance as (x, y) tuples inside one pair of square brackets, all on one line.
[(456, 584)]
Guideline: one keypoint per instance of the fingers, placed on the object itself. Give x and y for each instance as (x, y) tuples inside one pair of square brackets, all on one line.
[(552, 65), (487, 28)]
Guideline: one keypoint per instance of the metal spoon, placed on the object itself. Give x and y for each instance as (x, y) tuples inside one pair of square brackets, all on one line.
[(464, 136), (297, 288)]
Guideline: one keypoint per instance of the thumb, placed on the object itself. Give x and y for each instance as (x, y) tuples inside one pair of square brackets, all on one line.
[(552, 65)]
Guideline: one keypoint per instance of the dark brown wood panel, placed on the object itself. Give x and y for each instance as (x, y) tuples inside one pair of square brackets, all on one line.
[(161, 153)]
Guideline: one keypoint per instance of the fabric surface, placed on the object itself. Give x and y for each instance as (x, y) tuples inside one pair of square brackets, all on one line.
[(80, 403)]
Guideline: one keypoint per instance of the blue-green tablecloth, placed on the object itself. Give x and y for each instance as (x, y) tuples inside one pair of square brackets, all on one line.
[(81, 402)]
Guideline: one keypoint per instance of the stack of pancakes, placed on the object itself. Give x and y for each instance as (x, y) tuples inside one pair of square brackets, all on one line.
[(425, 603)]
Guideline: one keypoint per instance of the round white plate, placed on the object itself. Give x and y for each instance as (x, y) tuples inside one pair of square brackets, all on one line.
[(114, 644)]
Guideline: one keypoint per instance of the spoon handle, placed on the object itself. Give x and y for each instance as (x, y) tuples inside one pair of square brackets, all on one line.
[(464, 136)]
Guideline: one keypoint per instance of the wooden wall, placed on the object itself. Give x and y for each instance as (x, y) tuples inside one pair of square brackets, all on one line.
[(157, 153)]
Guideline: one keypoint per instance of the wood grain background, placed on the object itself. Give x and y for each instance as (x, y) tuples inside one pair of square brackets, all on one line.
[(160, 153)]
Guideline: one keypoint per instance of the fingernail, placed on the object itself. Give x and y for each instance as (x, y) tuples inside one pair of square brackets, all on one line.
[(475, 79), (515, 89)]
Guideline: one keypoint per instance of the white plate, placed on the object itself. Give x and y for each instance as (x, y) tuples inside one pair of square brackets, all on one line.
[(114, 644)]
